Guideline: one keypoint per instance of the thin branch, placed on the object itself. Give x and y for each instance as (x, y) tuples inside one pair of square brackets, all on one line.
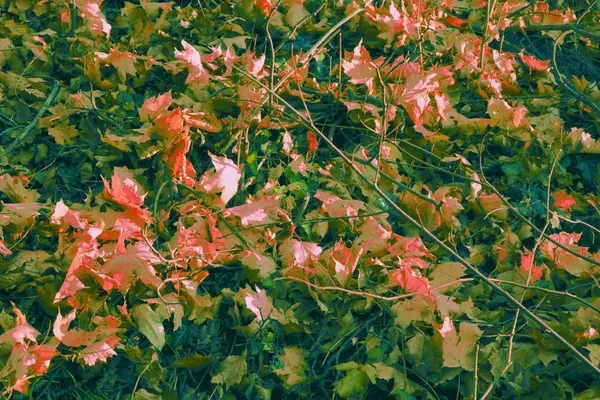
[(372, 295), (137, 382), (438, 205), (476, 372), (272, 48), (577, 221), (298, 25), (551, 291), (234, 231), (36, 119), (519, 11)]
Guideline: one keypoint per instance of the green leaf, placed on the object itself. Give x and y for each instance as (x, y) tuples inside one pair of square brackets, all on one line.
[(594, 350), (143, 394), (546, 356), (354, 384), (414, 309), (7, 321), (10, 280), (294, 366), (459, 348), (192, 361), (149, 324), (590, 394), (231, 371), (445, 273)]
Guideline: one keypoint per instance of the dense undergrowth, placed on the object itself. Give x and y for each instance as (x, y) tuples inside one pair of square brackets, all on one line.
[(299, 199)]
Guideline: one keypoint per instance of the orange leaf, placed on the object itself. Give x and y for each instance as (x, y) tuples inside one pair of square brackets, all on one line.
[(563, 201), (412, 282), (534, 63), (123, 61), (265, 6), (155, 106), (312, 142), (123, 190), (527, 264)]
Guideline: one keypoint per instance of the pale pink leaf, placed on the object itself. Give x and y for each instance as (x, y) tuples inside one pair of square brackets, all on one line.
[(61, 324), (224, 180), (288, 143), (90, 10), (296, 253), (259, 304), (196, 71), (447, 327), (62, 214), (99, 351), (254, 212)]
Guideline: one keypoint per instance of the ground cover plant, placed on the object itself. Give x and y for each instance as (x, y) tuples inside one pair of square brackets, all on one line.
[(299, 199)]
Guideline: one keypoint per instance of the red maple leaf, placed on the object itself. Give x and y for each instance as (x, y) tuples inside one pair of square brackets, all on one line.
[(534, 63), (196, 71), (155, 106), (412, 282), (563, 201), (123, 190)]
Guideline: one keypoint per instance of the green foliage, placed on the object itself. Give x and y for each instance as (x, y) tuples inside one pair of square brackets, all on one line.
[(259, 199)]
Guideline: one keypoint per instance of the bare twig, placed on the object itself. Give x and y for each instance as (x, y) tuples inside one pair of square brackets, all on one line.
[(372, 295), (519, 11), (137, 382), (272, 48), (551, 291), (36, 119), (476, 372), (298, 25), (484, 38)]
